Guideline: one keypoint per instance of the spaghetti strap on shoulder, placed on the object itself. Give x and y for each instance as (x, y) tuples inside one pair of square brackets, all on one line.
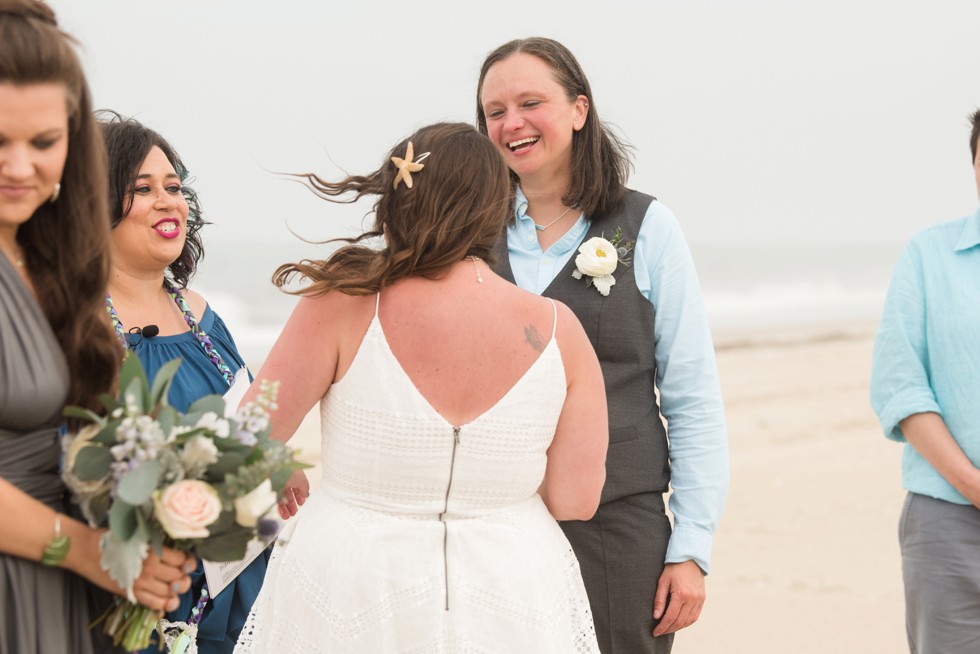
[(554, 323), (377, 304)]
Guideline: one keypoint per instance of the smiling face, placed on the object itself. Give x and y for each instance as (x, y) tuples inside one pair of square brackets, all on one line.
[(33, 149), (151, 235), (530, 118)]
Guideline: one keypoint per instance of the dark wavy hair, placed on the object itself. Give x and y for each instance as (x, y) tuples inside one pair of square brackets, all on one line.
[(601, 161), (974, 135), (66, 243), (127, 142), (458, 207)]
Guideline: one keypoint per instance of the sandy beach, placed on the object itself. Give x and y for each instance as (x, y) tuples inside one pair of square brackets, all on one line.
[(806, 559)]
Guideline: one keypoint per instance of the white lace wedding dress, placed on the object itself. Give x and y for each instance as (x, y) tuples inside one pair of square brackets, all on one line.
[(423, 536)]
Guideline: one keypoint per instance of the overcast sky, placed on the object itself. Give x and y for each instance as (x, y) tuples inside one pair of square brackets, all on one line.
[(756, 121)]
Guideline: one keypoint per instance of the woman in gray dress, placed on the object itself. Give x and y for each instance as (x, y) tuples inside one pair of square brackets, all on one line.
[(56, 346)]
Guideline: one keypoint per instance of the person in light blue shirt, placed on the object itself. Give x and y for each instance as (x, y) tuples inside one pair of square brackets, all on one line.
[(925, 388), (619, 260)]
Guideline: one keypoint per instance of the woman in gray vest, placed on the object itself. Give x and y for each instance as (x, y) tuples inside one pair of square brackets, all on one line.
[(619, 260)]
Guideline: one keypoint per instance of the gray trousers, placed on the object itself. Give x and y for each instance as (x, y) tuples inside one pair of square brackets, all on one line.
[(621, 552), (940, 544)]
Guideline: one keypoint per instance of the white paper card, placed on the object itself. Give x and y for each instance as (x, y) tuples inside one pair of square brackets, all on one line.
[(219, 575), (233, 397)]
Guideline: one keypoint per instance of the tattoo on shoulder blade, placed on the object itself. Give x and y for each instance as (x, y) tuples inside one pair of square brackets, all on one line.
[(533, 338)]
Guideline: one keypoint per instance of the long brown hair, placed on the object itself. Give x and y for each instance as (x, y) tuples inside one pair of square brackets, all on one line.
[(66, 243), (600, 159), (457, 207)]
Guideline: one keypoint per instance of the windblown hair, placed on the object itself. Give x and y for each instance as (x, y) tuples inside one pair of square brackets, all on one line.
[(974, 135), (66, 243), (127, 143), (458, 207), (601, 161)]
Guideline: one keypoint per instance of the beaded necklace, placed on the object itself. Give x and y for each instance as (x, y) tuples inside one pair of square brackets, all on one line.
[(202, 338)]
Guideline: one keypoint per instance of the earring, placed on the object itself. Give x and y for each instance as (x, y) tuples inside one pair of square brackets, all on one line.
[(57, 192)]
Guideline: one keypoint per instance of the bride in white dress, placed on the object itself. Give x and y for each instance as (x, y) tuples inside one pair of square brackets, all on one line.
[(461, 416)]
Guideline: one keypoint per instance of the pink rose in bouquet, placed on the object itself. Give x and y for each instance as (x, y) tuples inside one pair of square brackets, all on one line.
[(156, 477)]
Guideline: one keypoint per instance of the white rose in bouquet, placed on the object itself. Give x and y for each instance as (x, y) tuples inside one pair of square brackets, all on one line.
[(198, 453), (219, 426), (256, 503)]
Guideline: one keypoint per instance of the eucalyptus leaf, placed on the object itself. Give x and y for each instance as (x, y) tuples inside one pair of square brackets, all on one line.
[(109, 402), (142, 527), (157, 537), (123, 560), (167, 417), (162, 381), (135, 396), (232, 444), (131, 370), (280, 477), (190, 418), (190, 433), (212, 403), (229, 462), (122, 520), (83, 414), (107, 435), (92, 463), (229, 546), (137, 485), (96, 509), (224, 524)]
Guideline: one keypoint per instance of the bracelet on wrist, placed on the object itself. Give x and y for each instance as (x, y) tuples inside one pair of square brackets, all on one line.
[(57, 548)]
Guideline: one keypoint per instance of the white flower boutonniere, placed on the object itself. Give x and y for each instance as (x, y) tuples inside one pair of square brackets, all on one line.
[(598, 259)]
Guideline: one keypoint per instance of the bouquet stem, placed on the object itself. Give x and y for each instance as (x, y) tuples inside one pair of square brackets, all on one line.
[(130, 625)]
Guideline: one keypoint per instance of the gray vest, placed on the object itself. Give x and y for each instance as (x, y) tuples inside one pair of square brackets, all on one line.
[(620, 327)]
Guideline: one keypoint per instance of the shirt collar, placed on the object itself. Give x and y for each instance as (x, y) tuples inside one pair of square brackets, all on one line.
[(970, 236), (520, 206)]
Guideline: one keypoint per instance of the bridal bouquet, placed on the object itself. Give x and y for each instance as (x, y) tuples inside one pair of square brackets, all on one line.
[(199, 482)]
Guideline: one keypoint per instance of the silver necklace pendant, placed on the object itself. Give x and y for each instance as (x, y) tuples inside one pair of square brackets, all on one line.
[(541, 228)]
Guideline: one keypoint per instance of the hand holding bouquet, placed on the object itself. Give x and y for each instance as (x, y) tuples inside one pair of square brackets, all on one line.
[(200, 482)]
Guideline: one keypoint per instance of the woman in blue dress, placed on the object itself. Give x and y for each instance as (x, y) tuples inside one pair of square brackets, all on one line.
[(155, 249)]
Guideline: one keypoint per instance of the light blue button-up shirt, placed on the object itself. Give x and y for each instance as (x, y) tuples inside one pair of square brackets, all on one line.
[(687, 375), (927, 349)]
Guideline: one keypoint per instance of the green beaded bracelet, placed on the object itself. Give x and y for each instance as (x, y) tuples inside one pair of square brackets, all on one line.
[(57, 549)]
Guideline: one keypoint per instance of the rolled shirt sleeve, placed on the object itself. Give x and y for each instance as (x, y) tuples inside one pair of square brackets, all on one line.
[(926, 352), (899, 380)]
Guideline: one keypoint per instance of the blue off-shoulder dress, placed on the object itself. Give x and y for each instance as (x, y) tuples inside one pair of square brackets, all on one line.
[(197, 376)]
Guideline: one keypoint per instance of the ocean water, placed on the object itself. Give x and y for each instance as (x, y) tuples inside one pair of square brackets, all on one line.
[(794, 284), (745, 287)]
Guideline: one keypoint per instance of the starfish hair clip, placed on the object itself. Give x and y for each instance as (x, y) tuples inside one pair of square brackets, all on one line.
[(408, 165)]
